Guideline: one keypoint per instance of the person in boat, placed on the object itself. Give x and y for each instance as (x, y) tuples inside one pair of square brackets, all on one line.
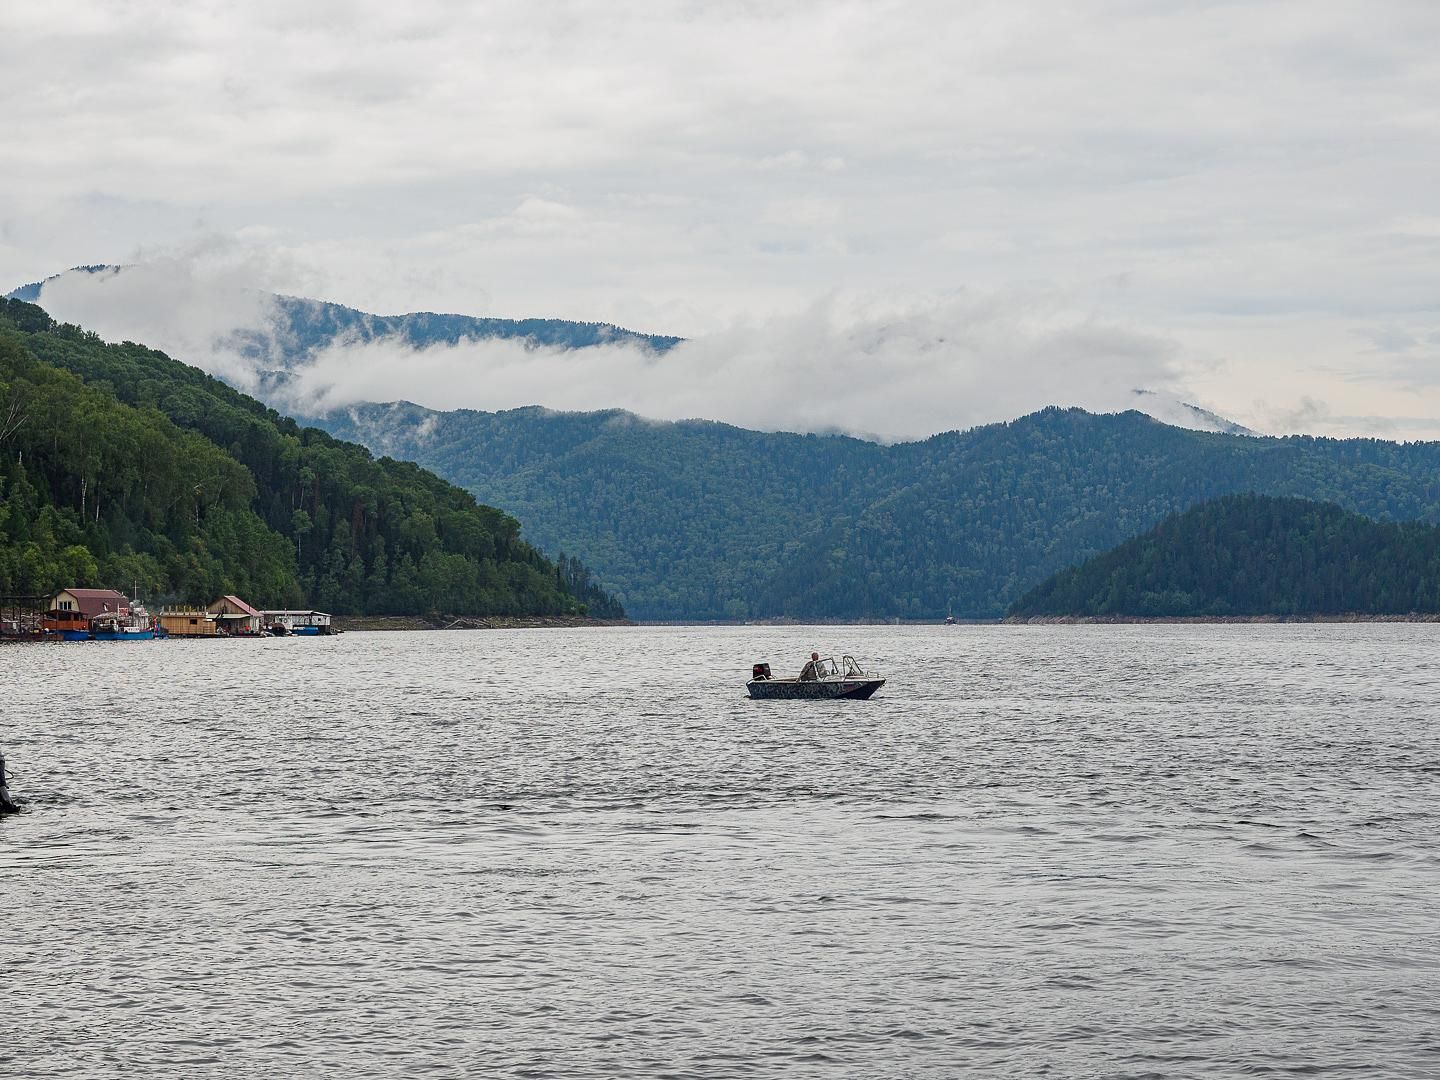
[(811, 671)]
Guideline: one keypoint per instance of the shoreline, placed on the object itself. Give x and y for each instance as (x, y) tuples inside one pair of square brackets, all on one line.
[(352, 623), (1106, 620)]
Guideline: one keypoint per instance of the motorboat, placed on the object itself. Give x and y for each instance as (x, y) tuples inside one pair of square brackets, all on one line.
[(822, 680), (133, 625)]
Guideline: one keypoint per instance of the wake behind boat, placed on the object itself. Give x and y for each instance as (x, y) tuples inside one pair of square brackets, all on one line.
[(820, 680)]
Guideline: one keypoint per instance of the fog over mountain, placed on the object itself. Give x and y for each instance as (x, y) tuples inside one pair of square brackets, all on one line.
[(1236, 199), (875, 367)]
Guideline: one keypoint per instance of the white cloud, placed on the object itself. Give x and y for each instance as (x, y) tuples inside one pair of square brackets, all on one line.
[(883, 366), (190, 308), (1259, 176), (879, 370)]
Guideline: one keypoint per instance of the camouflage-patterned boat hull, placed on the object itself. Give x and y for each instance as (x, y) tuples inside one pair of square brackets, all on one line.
[(823, 689)]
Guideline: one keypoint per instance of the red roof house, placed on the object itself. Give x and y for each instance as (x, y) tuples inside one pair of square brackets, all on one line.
[(91, 602)]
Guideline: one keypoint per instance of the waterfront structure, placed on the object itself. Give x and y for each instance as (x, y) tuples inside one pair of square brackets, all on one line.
[(23, 617), (181, 624), (234, 617), (302, 623), (71, 610)]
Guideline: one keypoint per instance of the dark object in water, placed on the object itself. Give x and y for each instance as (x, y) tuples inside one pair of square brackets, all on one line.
[(829, 683), (6, 806)]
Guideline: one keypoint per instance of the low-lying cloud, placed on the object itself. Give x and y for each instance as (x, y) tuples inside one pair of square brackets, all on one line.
[(877, 372), (871, 367), (197, 306)]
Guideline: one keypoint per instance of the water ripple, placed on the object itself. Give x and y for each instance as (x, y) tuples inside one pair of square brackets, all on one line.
[(1067, 851)]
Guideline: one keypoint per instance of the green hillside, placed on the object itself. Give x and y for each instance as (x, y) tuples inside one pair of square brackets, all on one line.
[(120, 466), (702, 520), (689, 515), (1254, 555)]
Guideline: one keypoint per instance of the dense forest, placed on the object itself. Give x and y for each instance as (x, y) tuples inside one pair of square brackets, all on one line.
[(702, 520), (1254, 555), (122, 467)]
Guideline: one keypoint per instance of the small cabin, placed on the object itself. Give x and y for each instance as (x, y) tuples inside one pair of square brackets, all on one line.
[(188, 624), (234, 617)]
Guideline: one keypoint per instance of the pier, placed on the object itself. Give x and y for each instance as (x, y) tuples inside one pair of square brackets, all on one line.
[(22, 617)]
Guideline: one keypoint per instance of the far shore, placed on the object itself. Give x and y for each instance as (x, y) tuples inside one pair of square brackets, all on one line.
[(469, 622), (531, 622), (1077, 620)]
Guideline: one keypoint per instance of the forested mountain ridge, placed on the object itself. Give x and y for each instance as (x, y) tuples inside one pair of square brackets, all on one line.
[(296, 328), (1253, 555), (119, 465), (313, 324), (702, 520)]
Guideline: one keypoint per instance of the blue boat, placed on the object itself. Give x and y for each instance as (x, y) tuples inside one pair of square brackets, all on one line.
[(134, 625)]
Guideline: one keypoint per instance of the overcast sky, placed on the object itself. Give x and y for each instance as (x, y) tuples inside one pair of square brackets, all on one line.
[(1236, 202)]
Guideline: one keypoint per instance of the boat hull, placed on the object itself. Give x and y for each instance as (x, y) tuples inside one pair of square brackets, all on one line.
[(820, 690), (123, 635)]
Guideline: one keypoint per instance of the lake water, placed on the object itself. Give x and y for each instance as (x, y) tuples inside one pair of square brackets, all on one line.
[(1134, 851)]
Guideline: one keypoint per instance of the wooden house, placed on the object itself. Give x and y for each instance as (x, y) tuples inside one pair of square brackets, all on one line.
[(188, 624), (234, 617)]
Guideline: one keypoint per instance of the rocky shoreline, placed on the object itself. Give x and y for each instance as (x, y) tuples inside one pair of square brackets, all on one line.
[(537, 622), (470, 622), (1077, 620)]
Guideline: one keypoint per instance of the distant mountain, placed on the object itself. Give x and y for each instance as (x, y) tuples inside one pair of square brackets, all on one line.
[(1253, 555), (296, 328), (703, 520), (697, 519), (305, 326)]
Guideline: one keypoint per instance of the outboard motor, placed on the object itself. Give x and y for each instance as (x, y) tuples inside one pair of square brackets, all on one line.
[(760, 672), (6, 806)]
